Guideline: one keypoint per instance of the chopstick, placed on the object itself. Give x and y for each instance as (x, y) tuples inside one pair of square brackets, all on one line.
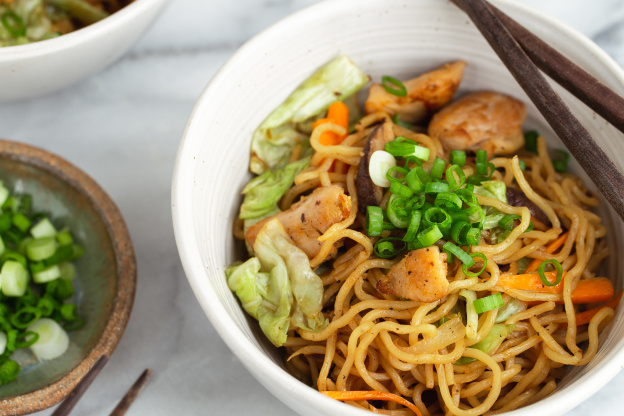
[(566, 73), (75, 395), (605, 175), (125, 403)]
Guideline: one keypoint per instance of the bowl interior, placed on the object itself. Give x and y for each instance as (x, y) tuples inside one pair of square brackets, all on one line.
[(95, 289), (397, 38)]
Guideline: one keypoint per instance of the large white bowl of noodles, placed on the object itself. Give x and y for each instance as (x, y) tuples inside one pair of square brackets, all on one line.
[(392, 37), (38, 68)]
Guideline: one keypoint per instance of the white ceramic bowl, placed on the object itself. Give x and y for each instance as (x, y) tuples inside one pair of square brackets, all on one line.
[(394, 37), (34, 69)]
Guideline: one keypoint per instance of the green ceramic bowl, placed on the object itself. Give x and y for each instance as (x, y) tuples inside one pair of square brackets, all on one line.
[(106, 274)]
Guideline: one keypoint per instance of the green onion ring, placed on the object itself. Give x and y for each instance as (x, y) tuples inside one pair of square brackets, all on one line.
[(471, 274), (393, 86), (558, 268)]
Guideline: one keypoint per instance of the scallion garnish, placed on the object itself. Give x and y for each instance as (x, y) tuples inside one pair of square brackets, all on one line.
[(488, 303), (14, 24), (429, 236), (458, 157), (401, 147), (455, 183), (542, 275), (508, 220), (438, 168), (414, 224), (385, 249), (530, 141), (465, 267), (393, 86), (374, 221), (459, 253)]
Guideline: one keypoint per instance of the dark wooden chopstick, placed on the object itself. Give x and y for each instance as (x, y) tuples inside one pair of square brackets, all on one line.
[(125, 403), (566, 73), (608, 179), (72, 398)]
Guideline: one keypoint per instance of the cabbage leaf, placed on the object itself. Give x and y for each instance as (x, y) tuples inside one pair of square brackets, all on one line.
[(491, 342), (275, 138), (278, 287), (496, 190), (263, 192)]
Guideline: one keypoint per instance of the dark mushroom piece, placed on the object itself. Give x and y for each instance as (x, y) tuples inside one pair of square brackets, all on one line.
[(517, 198), (367, 192)]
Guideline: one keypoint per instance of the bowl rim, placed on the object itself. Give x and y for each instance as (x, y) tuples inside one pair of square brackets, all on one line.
[(125, 264), (82, 35), (235, 339)]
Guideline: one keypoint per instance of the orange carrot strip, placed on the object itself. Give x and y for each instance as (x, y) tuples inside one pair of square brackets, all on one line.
[(584, 317), (587, 291), (371, 395), (551, 248), (338, 113)]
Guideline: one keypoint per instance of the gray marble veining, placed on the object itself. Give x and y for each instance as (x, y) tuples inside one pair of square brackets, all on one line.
[(123, 125)]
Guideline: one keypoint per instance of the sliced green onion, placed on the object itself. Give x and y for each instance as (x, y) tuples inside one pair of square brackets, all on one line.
[(28, 338), (413, 181), (459, 253), (374, 224), (69, 312), (436, 187), (396, 174), (401, 146), (401, 190), (64, 237), (437, 216), (41, 248), (14, 24), (396, 212), (489, 303), (43, 228), (438, 168), (21, 221), (466, 195), (472, 319), (558, 268), (414, 224), (560, 162), (25, 316), (385, 249), (53, 340), (48, 274), (473, 237), (429, 236), (14, 279), (447, 199), (507, 221), (378, 166), (471, 274), (421, 152), (47, 305), (530, 141), (459, 230), (458, 157), (9, 370), (481, 156), (455, 184), (393, 86), (401, 123)]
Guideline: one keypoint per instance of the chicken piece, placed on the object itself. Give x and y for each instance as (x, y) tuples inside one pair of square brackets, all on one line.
[(482, 120), (309, 218), (425, 94), (419, 276), (368, 193)]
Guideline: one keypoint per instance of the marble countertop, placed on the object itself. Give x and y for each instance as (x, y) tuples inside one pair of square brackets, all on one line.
[(122, 126)]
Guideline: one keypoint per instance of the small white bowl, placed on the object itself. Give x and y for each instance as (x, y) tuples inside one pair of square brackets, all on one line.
[(35, 69), (394, 37)]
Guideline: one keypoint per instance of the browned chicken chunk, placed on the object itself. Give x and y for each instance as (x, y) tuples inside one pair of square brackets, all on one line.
[(309, 218), (419, 276), (482, 120), (425, 94)]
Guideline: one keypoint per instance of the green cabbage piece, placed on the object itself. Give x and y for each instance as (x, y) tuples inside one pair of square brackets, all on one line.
[(263, 192), (278, 287), (491, 342), (274, 140), (510, 308), (496, 190)]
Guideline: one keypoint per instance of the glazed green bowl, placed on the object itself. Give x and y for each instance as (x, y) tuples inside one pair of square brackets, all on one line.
[(105, 280)]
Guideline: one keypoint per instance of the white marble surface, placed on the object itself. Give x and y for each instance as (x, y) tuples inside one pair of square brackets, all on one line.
[(122, 126)]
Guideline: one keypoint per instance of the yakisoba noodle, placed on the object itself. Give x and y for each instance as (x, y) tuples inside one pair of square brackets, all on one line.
[(384, 343)]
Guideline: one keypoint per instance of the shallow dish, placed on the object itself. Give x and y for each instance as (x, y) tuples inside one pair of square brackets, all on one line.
[(106, 274), (38, 68), (397, 38)]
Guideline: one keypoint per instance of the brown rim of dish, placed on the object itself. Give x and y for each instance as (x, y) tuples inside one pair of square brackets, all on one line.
[(126, 274)]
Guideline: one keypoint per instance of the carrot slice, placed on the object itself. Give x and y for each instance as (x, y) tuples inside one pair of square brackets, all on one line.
[(371, 395), (338, 113), (584, 317), (587, 291), (551, 248)]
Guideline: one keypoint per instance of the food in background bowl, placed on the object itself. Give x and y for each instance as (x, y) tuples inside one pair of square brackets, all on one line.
[(445, 263), (25, 21)]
